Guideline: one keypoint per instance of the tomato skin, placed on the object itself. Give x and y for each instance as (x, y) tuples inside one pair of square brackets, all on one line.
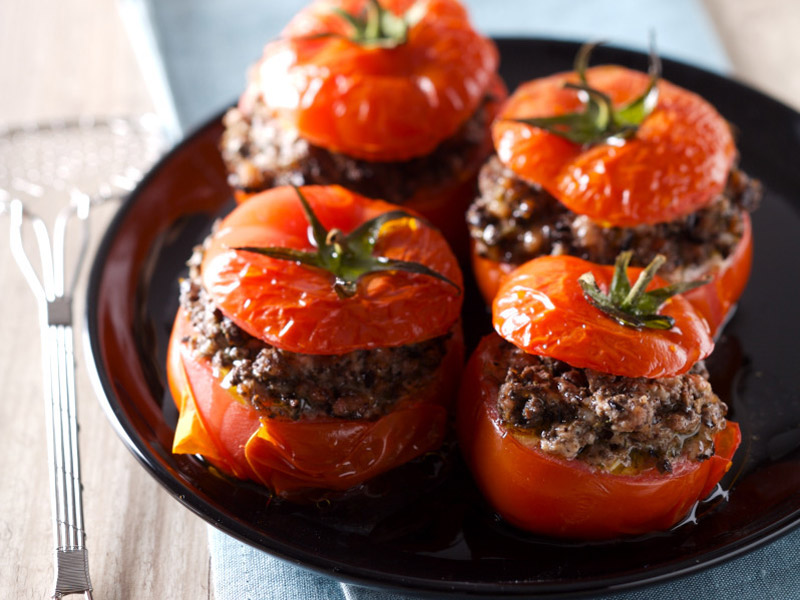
[(540, 308), (489, 274), (713, 301), (295, 307), (200, 422), (566, 498), (380, 104), (677, 162), (293, 458)]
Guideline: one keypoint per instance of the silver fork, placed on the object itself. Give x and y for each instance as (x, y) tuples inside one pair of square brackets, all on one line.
[(40, 163), (53, 293)]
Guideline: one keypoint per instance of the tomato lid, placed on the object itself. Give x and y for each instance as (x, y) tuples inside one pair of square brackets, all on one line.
[(541, 308), (296, 307), (677, 161), (371, 101)]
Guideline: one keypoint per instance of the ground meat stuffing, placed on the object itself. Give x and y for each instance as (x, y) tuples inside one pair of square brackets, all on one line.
[(260, 153), (608, 421), (513, 221), (362, 384)]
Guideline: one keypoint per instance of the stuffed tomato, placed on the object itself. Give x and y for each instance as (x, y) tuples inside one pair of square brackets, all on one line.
[(605, 159), (585, 420), (318, 341), (392, 99)]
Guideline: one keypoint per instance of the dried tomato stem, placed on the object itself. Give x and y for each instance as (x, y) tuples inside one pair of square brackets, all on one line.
[(630, 305), (599, 121), (377, 26)]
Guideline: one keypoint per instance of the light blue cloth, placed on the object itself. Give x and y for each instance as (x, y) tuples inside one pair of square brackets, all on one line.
[(195, 54), (768, 573)]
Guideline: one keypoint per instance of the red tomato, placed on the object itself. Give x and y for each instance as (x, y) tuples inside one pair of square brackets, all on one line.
[(677, 162), (292, 457), (566, 498), (379, 104), (295, 307), (541, 309), (713, 301)]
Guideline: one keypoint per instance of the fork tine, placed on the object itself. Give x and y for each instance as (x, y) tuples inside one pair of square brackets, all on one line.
[(17, 221), (81, 204)]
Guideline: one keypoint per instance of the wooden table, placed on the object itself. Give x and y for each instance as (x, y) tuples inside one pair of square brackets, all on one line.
[(63, 59)]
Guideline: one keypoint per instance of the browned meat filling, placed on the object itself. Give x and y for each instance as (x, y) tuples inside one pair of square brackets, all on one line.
[(260, 153), (362, 384), (513, 221), (607, 421)]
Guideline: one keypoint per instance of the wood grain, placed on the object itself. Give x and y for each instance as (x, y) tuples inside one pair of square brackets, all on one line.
[(66, 59), (63, 59)]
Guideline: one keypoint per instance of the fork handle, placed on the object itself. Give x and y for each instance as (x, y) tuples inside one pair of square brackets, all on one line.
[(58, 369), (71, 558)]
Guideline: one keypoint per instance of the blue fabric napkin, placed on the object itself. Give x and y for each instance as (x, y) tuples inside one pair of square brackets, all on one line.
[(240, 572), (195, 54)]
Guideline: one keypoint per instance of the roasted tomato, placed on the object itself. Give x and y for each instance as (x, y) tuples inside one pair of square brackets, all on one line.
[(541, 309), (610, 338), (605, 159), (675, 163), (565, 498), (391, 98), (394, 282)]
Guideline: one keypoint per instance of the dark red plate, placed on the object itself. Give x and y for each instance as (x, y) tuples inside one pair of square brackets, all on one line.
[(424, 527)]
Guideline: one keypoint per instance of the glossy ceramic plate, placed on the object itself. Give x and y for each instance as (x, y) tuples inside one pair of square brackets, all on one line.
[(424, 527)]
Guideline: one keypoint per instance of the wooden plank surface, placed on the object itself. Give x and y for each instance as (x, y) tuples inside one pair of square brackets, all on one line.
[(63, 59), (66, 59)]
